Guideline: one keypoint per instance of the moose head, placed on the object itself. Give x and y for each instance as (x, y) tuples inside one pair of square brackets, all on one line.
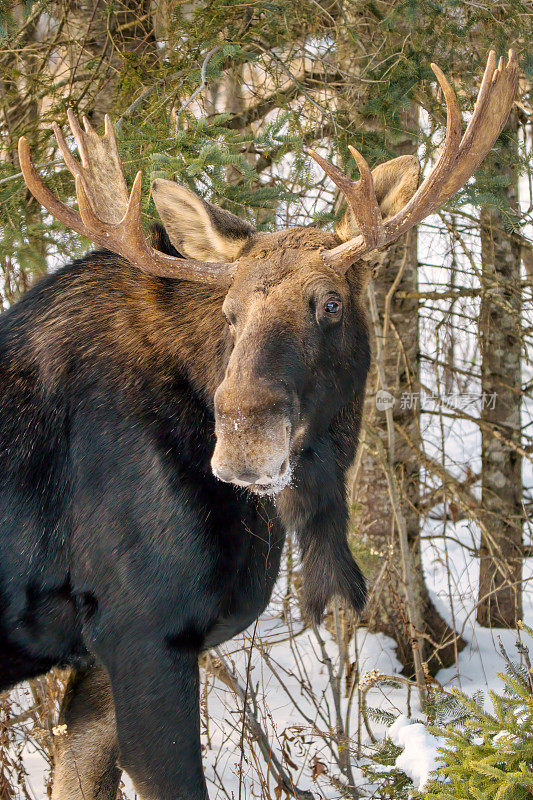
[(297, 327), (294, 299)]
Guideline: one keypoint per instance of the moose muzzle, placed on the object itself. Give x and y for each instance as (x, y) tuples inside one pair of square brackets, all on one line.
[(253, 439)]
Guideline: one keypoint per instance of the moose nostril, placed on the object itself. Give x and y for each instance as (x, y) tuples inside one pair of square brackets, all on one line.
[(227, 475), (247, 477), (224, 473)]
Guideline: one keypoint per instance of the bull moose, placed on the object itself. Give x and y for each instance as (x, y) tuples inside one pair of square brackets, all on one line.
[(168, 410)]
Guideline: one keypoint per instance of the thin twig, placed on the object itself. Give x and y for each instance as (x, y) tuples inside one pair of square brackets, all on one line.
[(257, 732), (203, 81)]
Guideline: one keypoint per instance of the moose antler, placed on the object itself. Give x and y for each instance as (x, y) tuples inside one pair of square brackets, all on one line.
[(108, 215), (459, 159)]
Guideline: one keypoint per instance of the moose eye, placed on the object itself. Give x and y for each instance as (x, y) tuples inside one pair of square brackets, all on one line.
[(329, 311), (333, 306)]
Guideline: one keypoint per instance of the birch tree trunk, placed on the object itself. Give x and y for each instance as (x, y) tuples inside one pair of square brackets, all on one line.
[(501, 553)]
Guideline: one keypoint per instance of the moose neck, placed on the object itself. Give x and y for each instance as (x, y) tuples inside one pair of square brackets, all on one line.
[(184, 322)]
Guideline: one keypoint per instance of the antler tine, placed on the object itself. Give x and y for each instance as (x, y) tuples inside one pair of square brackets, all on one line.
[(481, 133), (492, 79), (374, 223), (88, 127), (88, 217), (78, 135), (453, 115), (360, 196), (44, 196), (68, 158), (450, 150), (132, 217), (459, 159), (131, 221), (109, 132), (486, 81), (109, 215)]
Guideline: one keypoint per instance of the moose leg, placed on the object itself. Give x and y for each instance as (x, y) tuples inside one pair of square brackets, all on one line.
[(156, 696), (86, 754)]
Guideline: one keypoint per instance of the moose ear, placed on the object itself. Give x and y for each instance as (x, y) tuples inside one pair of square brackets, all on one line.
[(196, 228), (395, 182)]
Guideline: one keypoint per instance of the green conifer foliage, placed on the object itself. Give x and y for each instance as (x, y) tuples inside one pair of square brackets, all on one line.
[(489, 754)]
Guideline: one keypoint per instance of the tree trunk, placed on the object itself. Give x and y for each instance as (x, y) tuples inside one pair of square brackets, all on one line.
[(501, 553), (101, 39), (374, 514)]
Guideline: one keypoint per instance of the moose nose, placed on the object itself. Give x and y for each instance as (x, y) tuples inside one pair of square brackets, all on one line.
[(253, 436), (248, 477), (225, 473)]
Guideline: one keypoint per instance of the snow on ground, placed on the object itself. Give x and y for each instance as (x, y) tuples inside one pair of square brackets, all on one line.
[(452, 576), (420, 749)]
